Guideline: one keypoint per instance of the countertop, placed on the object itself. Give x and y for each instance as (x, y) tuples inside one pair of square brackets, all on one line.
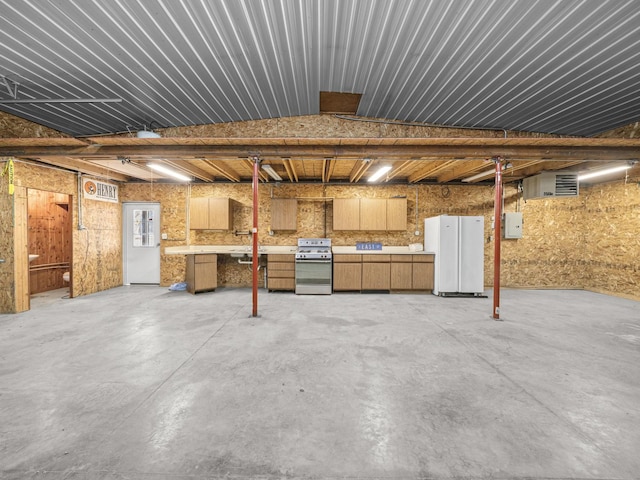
[(282, 249), (385, 251), (229, 249)]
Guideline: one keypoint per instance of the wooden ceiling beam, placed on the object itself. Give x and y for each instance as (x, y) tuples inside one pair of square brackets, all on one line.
[(557, 149)]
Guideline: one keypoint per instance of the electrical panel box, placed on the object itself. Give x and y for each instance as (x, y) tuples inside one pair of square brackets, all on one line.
[(513, 225)]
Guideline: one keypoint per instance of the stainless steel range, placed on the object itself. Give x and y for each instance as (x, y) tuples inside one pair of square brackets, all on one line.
[(313, 266)]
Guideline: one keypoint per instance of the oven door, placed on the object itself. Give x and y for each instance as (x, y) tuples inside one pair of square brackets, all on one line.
[(313, 277)]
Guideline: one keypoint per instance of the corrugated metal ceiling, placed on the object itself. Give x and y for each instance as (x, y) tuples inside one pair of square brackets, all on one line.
[(563, 66)]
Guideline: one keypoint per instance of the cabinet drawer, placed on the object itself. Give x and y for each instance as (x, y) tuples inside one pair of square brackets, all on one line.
[(281, 257), (281, 284), (401, 258), (373, 258), (347, 258), (276, 266), (426, 258), (205, 258), (281, 273)]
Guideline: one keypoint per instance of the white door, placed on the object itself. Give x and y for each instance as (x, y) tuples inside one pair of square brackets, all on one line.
[(441, 238), (141, 243)]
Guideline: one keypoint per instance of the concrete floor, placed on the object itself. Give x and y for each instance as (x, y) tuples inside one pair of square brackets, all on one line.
[(143, 383)]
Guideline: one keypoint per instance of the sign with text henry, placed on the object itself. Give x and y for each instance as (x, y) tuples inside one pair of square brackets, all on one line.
[(97, 190)]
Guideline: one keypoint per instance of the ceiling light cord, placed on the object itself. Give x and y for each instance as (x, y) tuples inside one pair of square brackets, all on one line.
[(417, 124)]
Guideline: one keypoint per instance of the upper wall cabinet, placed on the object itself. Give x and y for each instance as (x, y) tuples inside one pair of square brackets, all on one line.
[(211, 213), (284, 214), (346, 214), (397, 214), (371, 214)]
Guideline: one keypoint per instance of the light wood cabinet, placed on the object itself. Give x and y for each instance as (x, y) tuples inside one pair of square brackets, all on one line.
[(397, 214), (422, 272), (370, 214), (401, 272), (376, 276), (346, 214), (284, 214), (373, 214), (208, 213), (281, 272), (347, 273), (202, 272)]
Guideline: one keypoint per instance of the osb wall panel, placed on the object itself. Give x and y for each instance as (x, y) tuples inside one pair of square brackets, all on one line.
[(97, 252), (7, 295), (15, 127), (550, 253), (612, 216), (97, 257), (329, 126)]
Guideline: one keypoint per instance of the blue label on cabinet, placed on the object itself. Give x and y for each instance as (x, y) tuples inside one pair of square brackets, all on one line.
[(368, 246)]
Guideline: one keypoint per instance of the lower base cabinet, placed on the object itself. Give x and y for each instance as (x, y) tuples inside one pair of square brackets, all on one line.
[(281, 272), (202, 272), (371, 272)]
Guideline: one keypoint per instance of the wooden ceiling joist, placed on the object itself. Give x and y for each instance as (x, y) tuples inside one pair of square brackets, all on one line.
[(431, 170), (359, 169), (291, 170), (89, 168), (327, 169), (223, 169), (185, 167)]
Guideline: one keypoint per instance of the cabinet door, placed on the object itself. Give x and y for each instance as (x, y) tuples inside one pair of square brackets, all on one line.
[(396, 214), (346, 214), (284, 214), (373, 214), (206, 276), (422, 276), (199, 213), (401, 276), (376, 276), (347, 276), (220, 214)]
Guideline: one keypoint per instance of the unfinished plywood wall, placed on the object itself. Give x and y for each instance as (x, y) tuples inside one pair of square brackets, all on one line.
[(330, 126), (96, 257), (49, 228), (612, 215), (16, 127), (7, 293)]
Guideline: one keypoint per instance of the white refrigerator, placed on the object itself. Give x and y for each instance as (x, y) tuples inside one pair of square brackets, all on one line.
[(458, 244)]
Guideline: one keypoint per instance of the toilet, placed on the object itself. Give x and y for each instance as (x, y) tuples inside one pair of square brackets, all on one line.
[(66, 276)]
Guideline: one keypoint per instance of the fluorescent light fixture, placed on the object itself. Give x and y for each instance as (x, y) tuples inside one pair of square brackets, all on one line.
[(272, 173), (480, 175), (381, 171), (606, 171), (168, 171)]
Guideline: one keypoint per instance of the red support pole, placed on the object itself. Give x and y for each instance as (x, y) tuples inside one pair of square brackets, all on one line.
[(497, 234), (254, 257)]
